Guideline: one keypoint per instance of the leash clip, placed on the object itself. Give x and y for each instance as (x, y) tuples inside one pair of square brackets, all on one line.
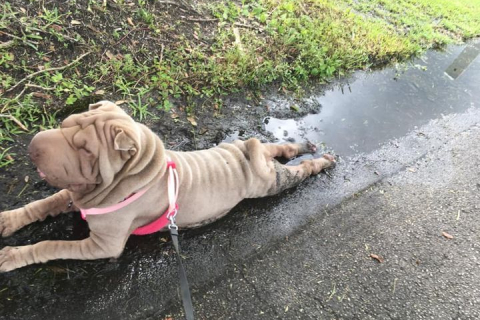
[(171, 216)]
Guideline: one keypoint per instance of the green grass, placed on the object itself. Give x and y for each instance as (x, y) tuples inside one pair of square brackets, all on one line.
[(426, 23), (157, 56)]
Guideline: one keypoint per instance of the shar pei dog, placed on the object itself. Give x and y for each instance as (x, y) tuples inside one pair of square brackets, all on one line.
[(119, 175)]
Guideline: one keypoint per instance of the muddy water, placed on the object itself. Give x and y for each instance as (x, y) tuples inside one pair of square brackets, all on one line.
[(377, 106)]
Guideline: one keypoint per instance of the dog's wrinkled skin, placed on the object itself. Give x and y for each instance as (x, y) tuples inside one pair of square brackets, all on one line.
[(101, 156)]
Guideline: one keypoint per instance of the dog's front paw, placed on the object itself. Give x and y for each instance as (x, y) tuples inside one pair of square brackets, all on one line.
[(9, 259), (7, 223)]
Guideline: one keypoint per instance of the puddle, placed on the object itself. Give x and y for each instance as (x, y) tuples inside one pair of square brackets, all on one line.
[(378, 106)]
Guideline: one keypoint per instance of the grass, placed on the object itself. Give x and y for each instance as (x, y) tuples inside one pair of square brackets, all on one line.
[(158, 56)]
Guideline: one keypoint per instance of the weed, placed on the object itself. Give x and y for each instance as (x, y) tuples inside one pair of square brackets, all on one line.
[(5, 158), (140, 109)]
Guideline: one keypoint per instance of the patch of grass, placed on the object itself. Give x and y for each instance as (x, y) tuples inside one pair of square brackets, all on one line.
[(156, 55), (425, 22)]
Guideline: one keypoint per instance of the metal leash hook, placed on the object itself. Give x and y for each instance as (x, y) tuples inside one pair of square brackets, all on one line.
[(171, 216)]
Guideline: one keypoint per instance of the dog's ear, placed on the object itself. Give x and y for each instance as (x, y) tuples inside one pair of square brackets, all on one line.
[(95, 106), (103, 103), (123, 142)]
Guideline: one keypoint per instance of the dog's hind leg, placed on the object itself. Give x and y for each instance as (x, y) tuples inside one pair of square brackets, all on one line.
[(289, 150), (291, 176), (11, 221)]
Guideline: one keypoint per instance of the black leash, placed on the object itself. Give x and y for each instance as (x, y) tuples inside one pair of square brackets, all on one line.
[(184, 287)]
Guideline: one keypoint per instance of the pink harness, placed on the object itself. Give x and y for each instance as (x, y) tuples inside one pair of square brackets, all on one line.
[(164, 219)]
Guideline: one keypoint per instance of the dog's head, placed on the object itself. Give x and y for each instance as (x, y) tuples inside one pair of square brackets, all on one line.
[(90, 149)]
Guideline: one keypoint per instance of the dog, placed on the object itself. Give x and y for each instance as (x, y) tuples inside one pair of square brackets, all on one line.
[(102, 158)]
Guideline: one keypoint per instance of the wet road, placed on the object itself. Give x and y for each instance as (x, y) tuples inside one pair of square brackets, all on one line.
[(407, 247), (142, 283)]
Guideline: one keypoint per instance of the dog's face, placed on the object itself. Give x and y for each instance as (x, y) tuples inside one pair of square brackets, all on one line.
[(89, 148)]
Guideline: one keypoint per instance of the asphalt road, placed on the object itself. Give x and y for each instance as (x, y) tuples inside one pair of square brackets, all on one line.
[(306, 254), (406, 247)]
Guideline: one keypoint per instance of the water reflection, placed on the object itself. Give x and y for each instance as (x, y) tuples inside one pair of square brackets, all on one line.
[(381, 105)]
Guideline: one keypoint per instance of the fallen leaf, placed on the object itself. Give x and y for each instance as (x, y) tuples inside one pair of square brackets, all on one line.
[(119, 102), (23, 10), (447, 235), (100, 92), (93, 28), (7, 44), (75, 22), (41, 95), (130, 22), (9, 157), (26, 179), (174, 116), (192, 121), (56, 27), (376, 257), (411, 169), (109, 54), (57, 269)]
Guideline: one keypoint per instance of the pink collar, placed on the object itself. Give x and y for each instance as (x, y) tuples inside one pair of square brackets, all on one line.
[(163, 220)]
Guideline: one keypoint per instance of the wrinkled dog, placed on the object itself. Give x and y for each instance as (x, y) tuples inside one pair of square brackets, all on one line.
[(101, 157)]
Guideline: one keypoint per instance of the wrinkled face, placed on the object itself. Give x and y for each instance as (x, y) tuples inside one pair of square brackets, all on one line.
[(86, 149)]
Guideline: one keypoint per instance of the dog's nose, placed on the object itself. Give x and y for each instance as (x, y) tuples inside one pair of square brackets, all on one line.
[(37, 147), (33, 152)]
